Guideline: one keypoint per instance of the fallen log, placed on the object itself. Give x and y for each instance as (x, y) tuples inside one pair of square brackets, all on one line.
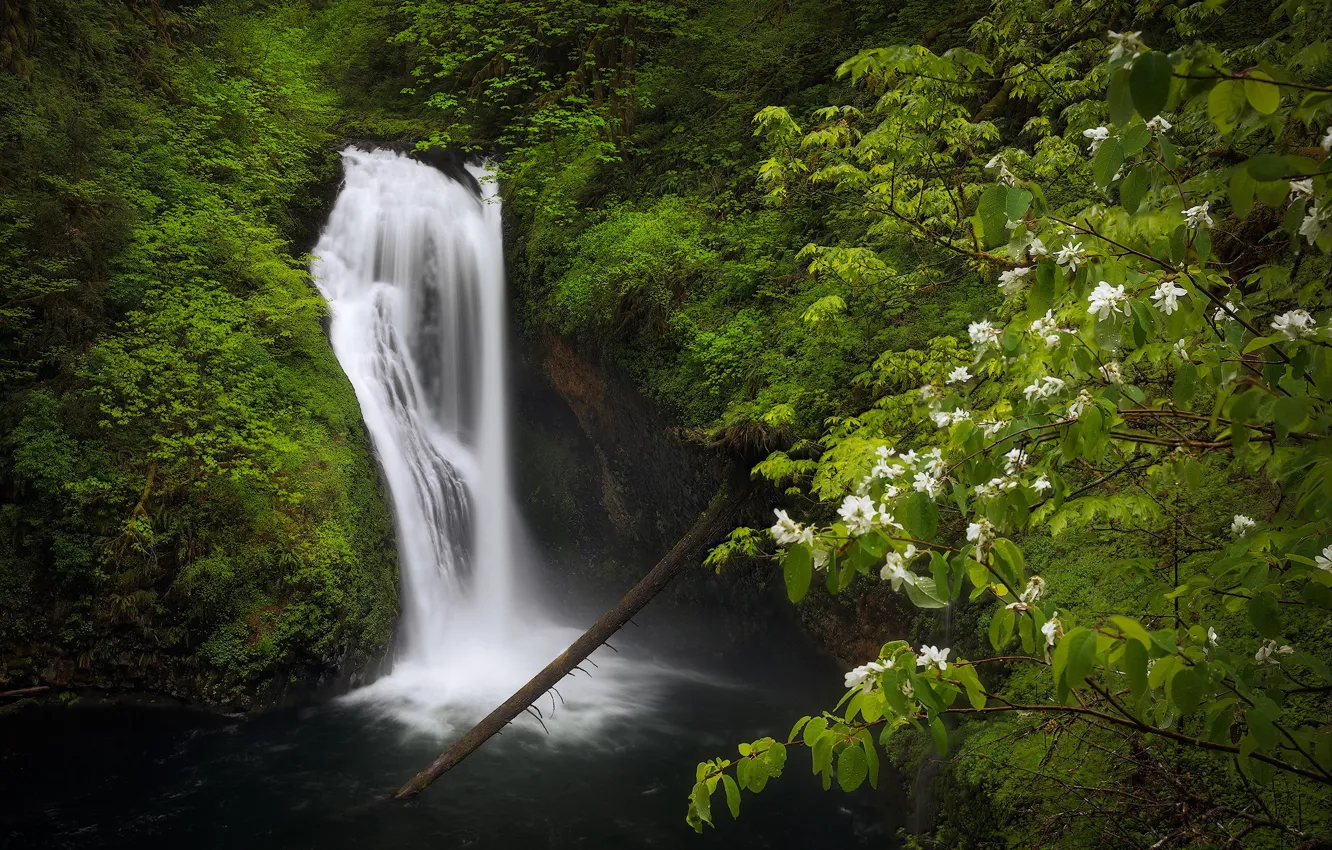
[(711, 526), (24, 692)]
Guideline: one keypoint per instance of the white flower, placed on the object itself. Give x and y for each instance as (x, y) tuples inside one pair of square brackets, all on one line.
[(1267, 653), (1314, 222), (1051, 629), (787, 531), (1301, 188), (996, 161), (1046, 329), (1079, 404), (894, 568), (926, 483), (929, 393), (1070, 255), (858, 513), (1040, 485), (1096, 135), (884, 452), (1012, 280), (1195, 216), (1167, 296), (1159, 125), (980, 532), (1112, 373), (1241, 525), (864, 676), (909, 458), (1035, 588), (983, 334), (1212, 637), (946, 418), (1324, 561), (932, 657), (959, 375), (906, 689), (1294, 324), (1327, 140), (1181, 349), (821, 557), (1225, 313), (1037, 248), (992, 426), (1043, 388), (1106, 299), (1017, 460), (1125, 44)]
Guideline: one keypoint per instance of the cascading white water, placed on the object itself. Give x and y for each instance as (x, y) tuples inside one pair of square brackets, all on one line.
[(411, 265)]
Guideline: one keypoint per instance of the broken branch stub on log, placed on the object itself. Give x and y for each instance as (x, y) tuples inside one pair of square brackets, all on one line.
[(714, 523)]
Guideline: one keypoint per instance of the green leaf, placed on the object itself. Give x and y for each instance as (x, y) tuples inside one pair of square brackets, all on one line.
[(1106, 161), (919, 515), (1016, 203), (1225, 104), (702, 802), (1265, 614), (1079, 648), (1132, 630), (993, 214), (732, 796), (1136, 138), (798, 569), (799, 724), (851, 768), (1149, 82), (924, 593), (1135, 667), (1120, 98), (814, 729), (1186, 690), (871, 756), (1264, 96), (1185, 384), (1001, 628), (940, 735), (1135, 188), (1266, 168)]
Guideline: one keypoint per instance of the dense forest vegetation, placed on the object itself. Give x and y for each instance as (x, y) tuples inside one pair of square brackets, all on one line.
[(1018, 309)]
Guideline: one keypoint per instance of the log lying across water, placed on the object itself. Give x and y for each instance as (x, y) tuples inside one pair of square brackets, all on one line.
[(711, 526)]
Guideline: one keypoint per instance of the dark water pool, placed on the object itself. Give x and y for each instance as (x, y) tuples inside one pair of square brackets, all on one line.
[(116, 776)]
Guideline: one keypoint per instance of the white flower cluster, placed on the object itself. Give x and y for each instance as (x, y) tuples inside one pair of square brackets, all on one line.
[(981, 532), (1159, 125), (860, 514), (1295, 324), (1167, 296), (1012, 280), (1070, 256), (1269, 653), (788, 532), (1241, 525), (1106, 299), (1043, 388), (1195, 217), (1113, 373), (983, 335), (1078, 405), (1324, 561), (1048, 330), (1096, 135), (866, 675), (1125, 44), (1315, 222), (948, 418), (1004, 176), (894, 567), (931, 656)]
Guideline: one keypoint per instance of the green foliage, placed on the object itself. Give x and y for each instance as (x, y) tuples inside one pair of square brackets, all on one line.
[(185, 479), (1141, 358)]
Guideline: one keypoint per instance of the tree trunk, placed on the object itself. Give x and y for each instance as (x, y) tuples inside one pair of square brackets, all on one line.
[(715, 522)]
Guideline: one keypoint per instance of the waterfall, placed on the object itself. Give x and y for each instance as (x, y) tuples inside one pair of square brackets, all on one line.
[(411, 265)]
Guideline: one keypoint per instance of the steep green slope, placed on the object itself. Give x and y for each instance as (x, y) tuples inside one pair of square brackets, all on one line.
[(188, 500)]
